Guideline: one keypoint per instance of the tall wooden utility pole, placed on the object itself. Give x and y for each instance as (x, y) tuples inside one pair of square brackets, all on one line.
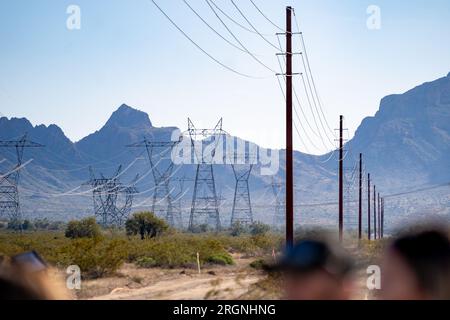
[(374, 211), (379, 216), (289, 142), (382, 217), (369, 232), (360, 199), (341, 180)]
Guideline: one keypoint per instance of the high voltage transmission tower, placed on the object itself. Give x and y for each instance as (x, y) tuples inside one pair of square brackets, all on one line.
[(177, 202), (205, 201), (162, 169), (242, 206), (350, 175), (105, 193), (9, 181), (279, 217)]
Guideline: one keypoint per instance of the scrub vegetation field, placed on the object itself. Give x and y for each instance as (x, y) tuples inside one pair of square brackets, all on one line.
[(149, 260)]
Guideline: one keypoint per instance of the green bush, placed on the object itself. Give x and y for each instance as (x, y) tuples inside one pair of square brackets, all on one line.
[(176, 250), (103, 255), (220, 258), (45, 224), (146, 262), (258, 264), (259, 228), (237, 229), (201, 228), (96, 257), (86, 228), (146, 224), (171, 254), (17, 225)]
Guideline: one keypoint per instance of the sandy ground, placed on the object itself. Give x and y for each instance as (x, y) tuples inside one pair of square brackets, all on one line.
[(215, 282), (238, 281)]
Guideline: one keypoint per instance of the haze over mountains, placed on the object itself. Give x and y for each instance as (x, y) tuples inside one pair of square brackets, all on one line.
[(406, 145)]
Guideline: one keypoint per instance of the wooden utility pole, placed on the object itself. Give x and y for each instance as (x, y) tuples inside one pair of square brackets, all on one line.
[(341, 179), (374, 211), (369, 232), (289, 142), (379, 217), (360, 199), (382, 217)]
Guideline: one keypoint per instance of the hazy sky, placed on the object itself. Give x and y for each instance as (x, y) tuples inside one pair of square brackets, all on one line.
[(127, 52)]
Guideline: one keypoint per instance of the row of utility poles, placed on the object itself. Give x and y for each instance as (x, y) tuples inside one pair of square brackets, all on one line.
[(378, 202), (378, 209)]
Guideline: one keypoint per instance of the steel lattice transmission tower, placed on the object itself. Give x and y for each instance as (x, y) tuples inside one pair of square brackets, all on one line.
[(242, 206), (105, 193), (9, 181), (350, 177), (162, 171), (279, 217), (177, 200), (205, 202)]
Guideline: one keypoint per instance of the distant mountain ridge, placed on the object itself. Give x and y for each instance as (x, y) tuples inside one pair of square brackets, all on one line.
[(408, 139), (406, 143)]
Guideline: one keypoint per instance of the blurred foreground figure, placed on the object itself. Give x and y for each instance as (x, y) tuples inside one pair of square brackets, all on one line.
[(26, 277), (417, 267), (313, 270)]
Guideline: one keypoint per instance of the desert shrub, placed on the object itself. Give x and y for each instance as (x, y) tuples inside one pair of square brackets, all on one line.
[(201, 228), (145, 262), (171, 254), (176, 250), (220, 258), (237, 229), (146, 224), (251, 245), (259, 228), (86, 228), (45, 224), (258, 264), (45, 243), (96, 257), (17, 225)]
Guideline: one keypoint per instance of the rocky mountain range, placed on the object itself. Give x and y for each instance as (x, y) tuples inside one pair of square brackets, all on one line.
[(406, 146)]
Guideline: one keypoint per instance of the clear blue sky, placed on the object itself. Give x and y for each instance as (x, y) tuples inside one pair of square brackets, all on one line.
[(127, 52)]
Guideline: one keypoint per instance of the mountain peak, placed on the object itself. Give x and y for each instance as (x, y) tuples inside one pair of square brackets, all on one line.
[(126, 116)]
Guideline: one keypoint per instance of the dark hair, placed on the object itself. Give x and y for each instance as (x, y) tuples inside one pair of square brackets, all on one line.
[(427, 253)]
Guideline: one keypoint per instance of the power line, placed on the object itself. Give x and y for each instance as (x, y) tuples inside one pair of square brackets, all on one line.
[(200, 48), (238, 41), (314, 98), (265, 16), (418, 190), (300, 106), (312, 78), (312, 112), (318, 134), (393, 195), (295, 126), (234, 21), (211, 28), (297, 115), (253, 27)]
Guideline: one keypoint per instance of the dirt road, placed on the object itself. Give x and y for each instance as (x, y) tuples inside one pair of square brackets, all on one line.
[(219, 282), (187, 287)]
